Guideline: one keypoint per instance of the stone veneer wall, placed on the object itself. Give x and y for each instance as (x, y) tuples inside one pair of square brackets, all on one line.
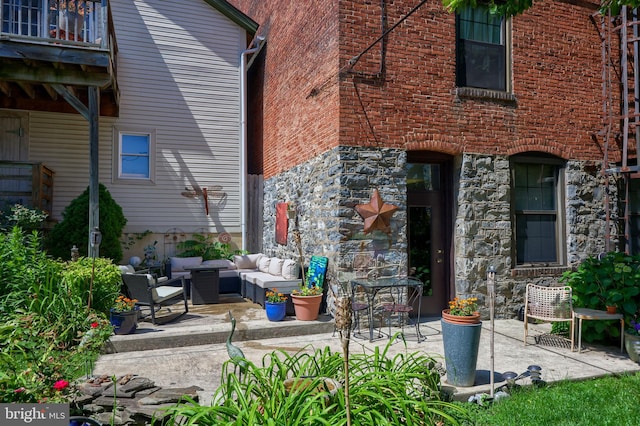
[(326, 189), (483, 229)]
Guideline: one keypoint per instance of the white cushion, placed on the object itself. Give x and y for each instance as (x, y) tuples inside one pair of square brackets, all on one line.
[(247, 261), (275, 266), (179, 263), (263, 264), (290, 269), (266, 280), (165, 292), (126, 269), (220, 263)]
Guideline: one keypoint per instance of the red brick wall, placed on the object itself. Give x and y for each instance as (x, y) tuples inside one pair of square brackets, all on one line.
[(556, 79), (300, 54)]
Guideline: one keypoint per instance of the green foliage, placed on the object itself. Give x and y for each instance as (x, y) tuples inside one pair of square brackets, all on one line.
[(129, 239), (23, 217), (107, 281), (205, 246), (608, 401), (611, 280), (74, 228), (46, 331), (510, 8), (404, 389), (21, 262), (503, 8)]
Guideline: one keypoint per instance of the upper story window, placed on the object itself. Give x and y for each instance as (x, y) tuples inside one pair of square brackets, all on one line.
[(538, 221), (136, 156), (481, 54)]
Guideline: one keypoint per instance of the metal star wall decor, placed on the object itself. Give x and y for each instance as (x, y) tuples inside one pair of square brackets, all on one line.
[(377, 214)]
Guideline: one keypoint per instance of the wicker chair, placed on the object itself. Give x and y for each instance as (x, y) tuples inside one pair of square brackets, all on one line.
[(548, 304), (155, 293)]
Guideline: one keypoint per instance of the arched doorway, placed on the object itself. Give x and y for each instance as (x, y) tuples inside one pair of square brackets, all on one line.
[(429, 228)]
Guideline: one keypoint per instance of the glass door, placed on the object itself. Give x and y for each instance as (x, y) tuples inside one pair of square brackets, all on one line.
[(428, 257)]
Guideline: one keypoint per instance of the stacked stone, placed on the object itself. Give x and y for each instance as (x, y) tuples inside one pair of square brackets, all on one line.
[(132, 401)]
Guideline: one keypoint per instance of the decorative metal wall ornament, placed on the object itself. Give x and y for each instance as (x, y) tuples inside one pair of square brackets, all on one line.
[(376, 214)]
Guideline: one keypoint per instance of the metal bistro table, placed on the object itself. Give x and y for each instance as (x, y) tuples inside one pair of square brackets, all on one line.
[(372, 287), (205, 284)]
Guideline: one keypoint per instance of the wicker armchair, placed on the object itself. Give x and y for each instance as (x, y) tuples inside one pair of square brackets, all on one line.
[(548, 304), (153, 292)]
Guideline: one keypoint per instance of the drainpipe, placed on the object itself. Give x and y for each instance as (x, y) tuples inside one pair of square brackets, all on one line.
[(258, 43)]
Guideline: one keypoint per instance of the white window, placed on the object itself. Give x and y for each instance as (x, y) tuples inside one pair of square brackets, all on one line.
[(135, 153)]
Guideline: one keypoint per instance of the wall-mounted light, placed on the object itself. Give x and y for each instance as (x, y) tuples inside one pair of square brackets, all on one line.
[(95, 237)]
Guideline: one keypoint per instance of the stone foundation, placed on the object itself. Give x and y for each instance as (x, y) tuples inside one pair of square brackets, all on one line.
[(326, 189)]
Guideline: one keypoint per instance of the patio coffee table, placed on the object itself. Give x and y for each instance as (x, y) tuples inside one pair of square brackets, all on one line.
[(205, 284), (594, 314)]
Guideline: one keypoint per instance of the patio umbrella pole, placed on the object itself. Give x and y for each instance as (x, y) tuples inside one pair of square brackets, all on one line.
[(491, 284)]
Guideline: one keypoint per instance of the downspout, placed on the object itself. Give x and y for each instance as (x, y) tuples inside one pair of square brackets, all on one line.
[(258, 42)]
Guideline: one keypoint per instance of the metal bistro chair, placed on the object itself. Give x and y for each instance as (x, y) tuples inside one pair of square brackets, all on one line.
[(155, 293), (550, 304), (400, 301)]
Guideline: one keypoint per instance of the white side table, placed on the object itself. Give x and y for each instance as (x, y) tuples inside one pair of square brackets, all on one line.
[(596, 315)]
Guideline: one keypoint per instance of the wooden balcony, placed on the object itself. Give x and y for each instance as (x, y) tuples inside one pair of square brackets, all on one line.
[(26, 183), (50, 45)]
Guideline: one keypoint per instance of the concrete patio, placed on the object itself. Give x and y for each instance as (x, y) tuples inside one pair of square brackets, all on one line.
[(191, 350)]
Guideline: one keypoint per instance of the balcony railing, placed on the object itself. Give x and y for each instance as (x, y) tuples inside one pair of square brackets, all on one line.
[(81, 22)]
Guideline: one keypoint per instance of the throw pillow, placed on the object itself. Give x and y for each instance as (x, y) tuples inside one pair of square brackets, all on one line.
[(179, 263), (263, 264), (247, 261), (275, 266), (290, 269), (220, 263)]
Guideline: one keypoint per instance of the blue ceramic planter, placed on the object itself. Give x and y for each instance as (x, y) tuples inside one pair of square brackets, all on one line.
[(124, 322), (461, 344), (275, 311)]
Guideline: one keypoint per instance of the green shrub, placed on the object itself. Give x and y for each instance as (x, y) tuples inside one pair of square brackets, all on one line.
[(201, 245), (404, 389), (23, 217), (611, 280), (106, 282), (74, 228)]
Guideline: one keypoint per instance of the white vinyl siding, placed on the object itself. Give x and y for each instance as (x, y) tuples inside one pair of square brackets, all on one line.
[(178, 75)]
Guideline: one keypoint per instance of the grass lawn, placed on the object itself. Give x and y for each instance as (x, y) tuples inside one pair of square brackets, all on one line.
[(610, 400)]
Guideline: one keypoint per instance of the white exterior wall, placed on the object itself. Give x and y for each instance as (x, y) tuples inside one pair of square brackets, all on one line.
[(178, 75)]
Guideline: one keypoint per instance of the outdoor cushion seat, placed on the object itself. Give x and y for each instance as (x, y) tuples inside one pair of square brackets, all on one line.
[(154, 294)]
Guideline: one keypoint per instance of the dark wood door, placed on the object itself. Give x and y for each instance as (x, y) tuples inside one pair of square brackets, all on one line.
[(428, 236)]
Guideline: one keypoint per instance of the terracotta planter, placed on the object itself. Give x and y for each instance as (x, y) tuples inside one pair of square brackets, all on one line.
[(611, 309), (307, 307), (456, 319)]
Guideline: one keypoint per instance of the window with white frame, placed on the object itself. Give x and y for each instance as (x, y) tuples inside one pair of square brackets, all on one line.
[(538, 219), (135, 153), (481, 54)]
